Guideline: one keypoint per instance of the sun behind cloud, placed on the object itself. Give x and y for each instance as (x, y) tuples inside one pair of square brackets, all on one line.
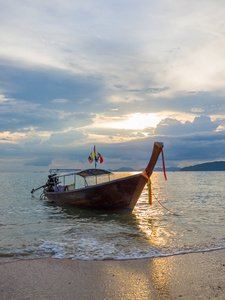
[(137, 121)]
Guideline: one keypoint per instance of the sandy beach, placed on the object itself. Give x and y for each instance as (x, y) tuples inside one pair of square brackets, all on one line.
[(187, 276)]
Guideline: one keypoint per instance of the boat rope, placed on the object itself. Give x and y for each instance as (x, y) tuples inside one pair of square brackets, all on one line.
[(144, 174), (163, 161), (172, 212)]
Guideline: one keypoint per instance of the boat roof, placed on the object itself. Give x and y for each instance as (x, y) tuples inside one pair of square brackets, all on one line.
[(85, 173)]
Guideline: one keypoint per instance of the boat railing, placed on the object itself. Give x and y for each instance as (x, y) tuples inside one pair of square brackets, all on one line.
[(62, 185), (53, 171)]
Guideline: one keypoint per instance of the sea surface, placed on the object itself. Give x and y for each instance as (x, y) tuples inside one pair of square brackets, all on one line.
[(187, 215)]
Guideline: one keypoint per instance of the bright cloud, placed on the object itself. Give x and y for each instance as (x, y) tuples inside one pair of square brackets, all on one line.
[(59, 101), (134, 121)]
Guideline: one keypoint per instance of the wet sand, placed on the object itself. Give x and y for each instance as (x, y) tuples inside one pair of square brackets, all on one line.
[(187, 276)]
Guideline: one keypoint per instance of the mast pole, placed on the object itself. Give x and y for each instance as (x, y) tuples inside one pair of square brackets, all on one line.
[(95, 157)]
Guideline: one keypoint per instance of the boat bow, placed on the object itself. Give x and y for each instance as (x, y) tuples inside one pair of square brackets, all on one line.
[(157, 149)]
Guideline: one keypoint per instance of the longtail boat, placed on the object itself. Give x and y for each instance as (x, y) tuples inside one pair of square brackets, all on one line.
[(119, 194)]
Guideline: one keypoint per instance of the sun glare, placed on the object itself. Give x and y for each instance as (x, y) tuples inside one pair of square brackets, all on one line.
[(136, 121)]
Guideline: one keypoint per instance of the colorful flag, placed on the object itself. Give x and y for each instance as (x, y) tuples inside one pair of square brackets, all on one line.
[(90, 158), (100, 158), (95, 157)]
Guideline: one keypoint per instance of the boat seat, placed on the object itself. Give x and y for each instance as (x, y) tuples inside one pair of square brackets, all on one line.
[(59, 188), (70, 187)]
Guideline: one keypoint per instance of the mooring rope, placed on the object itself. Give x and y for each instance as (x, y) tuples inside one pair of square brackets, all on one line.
[(172, 212)]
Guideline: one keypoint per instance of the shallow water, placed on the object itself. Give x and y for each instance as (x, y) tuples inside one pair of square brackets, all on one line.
[(187, 215)]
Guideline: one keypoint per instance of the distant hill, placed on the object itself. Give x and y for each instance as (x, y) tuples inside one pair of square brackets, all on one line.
[(168, 169), (128, 169), (124, 169), (211, 166)]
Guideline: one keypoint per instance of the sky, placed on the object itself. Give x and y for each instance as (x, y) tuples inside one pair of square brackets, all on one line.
[(117, 74)]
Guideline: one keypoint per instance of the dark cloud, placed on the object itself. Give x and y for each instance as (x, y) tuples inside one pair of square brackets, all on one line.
[(149, 90), (199, 147), (65, 138), (197, 103), (43, 86), (17, 115), (174, 127), (42, 161)]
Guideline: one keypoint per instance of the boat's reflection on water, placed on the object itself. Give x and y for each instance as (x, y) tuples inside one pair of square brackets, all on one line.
[(70, 212)]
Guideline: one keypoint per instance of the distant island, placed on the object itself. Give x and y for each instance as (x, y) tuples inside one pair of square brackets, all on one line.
[(128, 169), (211, 166), (125, 169)]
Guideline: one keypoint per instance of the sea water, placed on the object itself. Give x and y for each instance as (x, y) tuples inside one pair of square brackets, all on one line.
[(187, 215)]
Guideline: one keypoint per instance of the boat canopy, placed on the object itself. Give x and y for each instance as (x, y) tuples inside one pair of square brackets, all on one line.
[(85, 173)]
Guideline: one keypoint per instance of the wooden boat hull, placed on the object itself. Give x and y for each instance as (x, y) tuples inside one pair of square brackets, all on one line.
[(120, 194), (117, 194)]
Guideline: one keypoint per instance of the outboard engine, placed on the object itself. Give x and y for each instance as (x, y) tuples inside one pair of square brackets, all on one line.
[(49, 186), (52, 181)]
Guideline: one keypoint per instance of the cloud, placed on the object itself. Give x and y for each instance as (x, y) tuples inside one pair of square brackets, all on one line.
[(82, 38), (174, 127), (198, 147), (66, 138), (19, 115), (60, 101), (43, 162)]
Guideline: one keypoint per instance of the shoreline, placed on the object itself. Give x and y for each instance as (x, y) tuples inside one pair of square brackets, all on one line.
[(198, 275)]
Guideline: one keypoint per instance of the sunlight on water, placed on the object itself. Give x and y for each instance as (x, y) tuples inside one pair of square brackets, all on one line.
[(188, 214)]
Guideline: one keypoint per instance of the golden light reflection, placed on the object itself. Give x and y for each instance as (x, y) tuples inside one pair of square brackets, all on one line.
[(148, 217), (140, 279), (162, 276), (146, 278)]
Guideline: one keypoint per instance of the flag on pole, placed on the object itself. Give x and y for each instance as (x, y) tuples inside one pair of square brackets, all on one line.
[(95, 157), (100, 158), (90, 158)]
